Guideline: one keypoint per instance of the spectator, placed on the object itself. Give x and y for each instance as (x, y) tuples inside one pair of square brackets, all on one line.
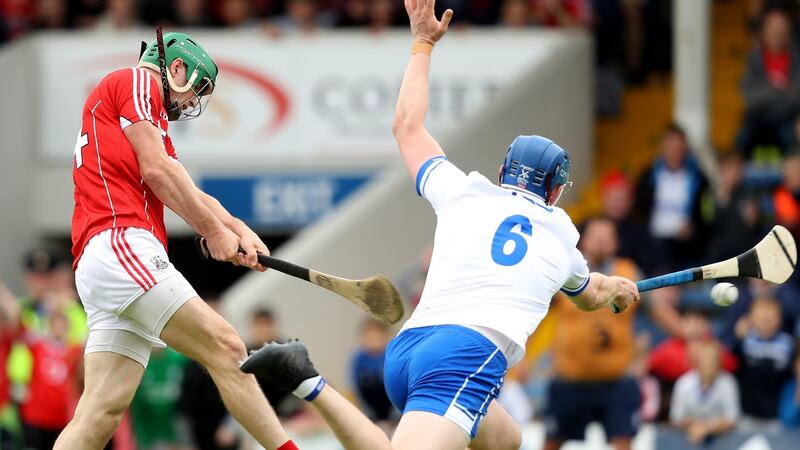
[(202, 405), (789, 408), (355, 14), (670, 359), (705, 401), (45, 292), (382, 15), (236, 14), (786, 198), (155, 406), (617, 196), (16, 17), (302, 16), (592, 354), (366, 369), (86, 12), (562, 13), (120, 15), (52, 390), (191, 13), (264, 329), (648, 385), (736, 217), (753, 288), (50, 15), (515, 14), (476, 12), (668, 198), (9, 323), (766, 355), (771, 86)]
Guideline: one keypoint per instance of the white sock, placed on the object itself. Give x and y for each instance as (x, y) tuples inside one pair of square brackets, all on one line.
[(310, 388)]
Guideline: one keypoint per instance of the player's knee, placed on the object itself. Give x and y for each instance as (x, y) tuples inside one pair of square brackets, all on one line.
[(229, 349), (513, 439), (101, 421)]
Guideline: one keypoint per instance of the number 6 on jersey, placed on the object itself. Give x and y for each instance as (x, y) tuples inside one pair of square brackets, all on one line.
[(505, 234)]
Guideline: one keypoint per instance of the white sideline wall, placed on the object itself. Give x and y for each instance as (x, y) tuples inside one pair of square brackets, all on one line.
[(17, 140), (385, 227)]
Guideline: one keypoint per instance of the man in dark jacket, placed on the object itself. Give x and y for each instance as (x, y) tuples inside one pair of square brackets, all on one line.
[(771, 86), (668, 201)]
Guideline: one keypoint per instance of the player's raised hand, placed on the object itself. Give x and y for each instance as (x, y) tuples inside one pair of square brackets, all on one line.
[(224, 245), (252, 245), (424, 25)]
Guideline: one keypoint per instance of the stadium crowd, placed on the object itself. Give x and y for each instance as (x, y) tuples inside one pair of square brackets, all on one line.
[(633, 37)]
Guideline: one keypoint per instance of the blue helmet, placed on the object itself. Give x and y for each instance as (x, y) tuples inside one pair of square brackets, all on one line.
[(535, 164)]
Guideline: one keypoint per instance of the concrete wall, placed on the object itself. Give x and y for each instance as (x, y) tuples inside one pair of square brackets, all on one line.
[(386, 227), (18, 136)]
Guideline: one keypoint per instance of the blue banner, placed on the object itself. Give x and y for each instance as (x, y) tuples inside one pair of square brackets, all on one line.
[(279, 202)]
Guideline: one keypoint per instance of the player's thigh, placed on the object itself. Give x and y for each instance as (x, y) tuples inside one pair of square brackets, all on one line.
[(420, 430), (200, 333), (110, 381), (497, 431)]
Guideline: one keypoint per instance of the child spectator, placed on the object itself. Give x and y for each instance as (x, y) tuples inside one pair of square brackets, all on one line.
[(789, 408), (49, 403), (670, 359), (766, 355), (705, 401), (366, 368)]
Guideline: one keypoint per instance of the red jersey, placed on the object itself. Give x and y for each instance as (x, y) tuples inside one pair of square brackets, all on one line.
[(6, 341), (52, 386), (670, 359), (109, 189)]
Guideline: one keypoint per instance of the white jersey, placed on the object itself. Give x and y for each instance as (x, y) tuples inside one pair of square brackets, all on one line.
[(499, 256)]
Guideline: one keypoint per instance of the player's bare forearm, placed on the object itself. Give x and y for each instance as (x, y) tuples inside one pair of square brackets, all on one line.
[(227, 219), (168, 180), (415, 143), (604, 290), (249, 240)]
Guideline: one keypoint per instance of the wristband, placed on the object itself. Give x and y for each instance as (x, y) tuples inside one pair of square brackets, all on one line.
[(309, 389), (421, 47)]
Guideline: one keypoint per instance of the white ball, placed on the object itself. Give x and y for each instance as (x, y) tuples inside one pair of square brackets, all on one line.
[(724, 294)]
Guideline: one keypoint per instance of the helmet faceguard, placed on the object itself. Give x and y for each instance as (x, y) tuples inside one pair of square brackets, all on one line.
[(536, 165), (201, 72)]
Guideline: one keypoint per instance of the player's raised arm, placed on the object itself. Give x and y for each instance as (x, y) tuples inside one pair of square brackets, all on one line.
[(417, 145)]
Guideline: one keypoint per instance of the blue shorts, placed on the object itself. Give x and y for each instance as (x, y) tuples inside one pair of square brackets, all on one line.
[(572, 406), (448, 370)]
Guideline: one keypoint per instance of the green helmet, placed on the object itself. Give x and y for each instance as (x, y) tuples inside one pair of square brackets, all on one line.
[(201, 70)]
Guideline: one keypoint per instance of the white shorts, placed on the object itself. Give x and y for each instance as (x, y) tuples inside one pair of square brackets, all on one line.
[(129, 290)]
